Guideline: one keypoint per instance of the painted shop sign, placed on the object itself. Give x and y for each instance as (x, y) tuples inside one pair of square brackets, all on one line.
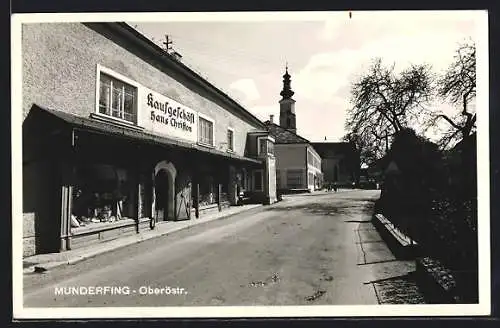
[(166, 116)]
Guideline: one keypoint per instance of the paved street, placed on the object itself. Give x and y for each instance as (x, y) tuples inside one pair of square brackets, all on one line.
[(307, 249)]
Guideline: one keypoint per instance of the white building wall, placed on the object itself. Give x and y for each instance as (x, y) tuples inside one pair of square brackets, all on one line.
[(291, 157), (313, 167)]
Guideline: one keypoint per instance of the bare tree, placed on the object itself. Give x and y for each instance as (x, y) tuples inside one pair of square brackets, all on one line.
[(458, 86), (385, 102), (366, 152)]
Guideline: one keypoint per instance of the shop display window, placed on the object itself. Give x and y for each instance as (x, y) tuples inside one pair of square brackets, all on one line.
[(224, 195), (102, 194), (208, 191)]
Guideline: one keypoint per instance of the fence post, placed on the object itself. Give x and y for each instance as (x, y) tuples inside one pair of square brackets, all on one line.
[(219, 192), (197, 201)]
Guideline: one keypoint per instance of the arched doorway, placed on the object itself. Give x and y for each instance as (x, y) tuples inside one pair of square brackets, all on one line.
[(161, 195), (164, 191)]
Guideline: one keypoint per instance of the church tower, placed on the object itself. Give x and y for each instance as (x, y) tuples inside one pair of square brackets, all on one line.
[(287, 105)]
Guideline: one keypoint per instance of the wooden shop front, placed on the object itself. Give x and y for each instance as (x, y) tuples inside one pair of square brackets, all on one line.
[(102, 181)]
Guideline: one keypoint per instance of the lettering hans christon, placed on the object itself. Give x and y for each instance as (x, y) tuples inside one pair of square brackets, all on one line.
[(173, 116)]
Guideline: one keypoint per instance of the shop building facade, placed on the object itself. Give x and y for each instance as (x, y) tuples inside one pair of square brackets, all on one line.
[(119, 136)]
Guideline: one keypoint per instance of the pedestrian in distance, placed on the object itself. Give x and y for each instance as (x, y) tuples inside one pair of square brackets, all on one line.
[(335, 186)]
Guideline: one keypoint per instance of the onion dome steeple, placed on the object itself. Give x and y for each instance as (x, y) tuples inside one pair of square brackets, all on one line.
[(287, 105), (287, 92)]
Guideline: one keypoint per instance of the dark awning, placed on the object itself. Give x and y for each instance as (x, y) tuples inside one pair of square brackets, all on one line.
[(92, 125)]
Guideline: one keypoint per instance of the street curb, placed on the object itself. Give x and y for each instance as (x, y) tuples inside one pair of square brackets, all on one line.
[(139, 238), (402, 246)]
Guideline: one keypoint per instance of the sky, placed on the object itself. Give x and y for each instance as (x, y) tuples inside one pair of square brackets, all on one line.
[(246, 56)]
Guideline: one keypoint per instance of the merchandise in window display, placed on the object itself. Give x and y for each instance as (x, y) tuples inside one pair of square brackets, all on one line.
[(89, 208)]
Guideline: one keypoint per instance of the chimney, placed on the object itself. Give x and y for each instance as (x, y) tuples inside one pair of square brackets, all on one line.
[(271, 118)]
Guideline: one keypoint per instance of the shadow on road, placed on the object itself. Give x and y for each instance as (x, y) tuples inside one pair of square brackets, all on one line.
[(357, 221), (378, 262), (329, 209)]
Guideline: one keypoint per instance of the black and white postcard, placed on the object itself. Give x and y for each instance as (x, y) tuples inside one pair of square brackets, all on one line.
[(250, 164)]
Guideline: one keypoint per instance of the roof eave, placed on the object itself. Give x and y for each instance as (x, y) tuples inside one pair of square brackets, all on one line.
[(87, 124)]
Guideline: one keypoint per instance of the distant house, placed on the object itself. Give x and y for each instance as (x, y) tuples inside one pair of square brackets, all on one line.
[(298, 165), (340, 162)]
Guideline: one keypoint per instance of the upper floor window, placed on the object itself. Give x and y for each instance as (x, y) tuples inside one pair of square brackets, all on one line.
[(206, 131), (230, 139), (266, 146), (262, 146), (117, 99), (310, 159), (313, 160)]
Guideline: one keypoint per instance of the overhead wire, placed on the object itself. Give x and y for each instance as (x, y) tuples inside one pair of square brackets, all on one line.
[(206, 61), (230, 52), (192, 47), (195, 51)]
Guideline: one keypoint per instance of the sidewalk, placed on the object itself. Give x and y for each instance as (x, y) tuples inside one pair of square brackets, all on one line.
[(52, 260)]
